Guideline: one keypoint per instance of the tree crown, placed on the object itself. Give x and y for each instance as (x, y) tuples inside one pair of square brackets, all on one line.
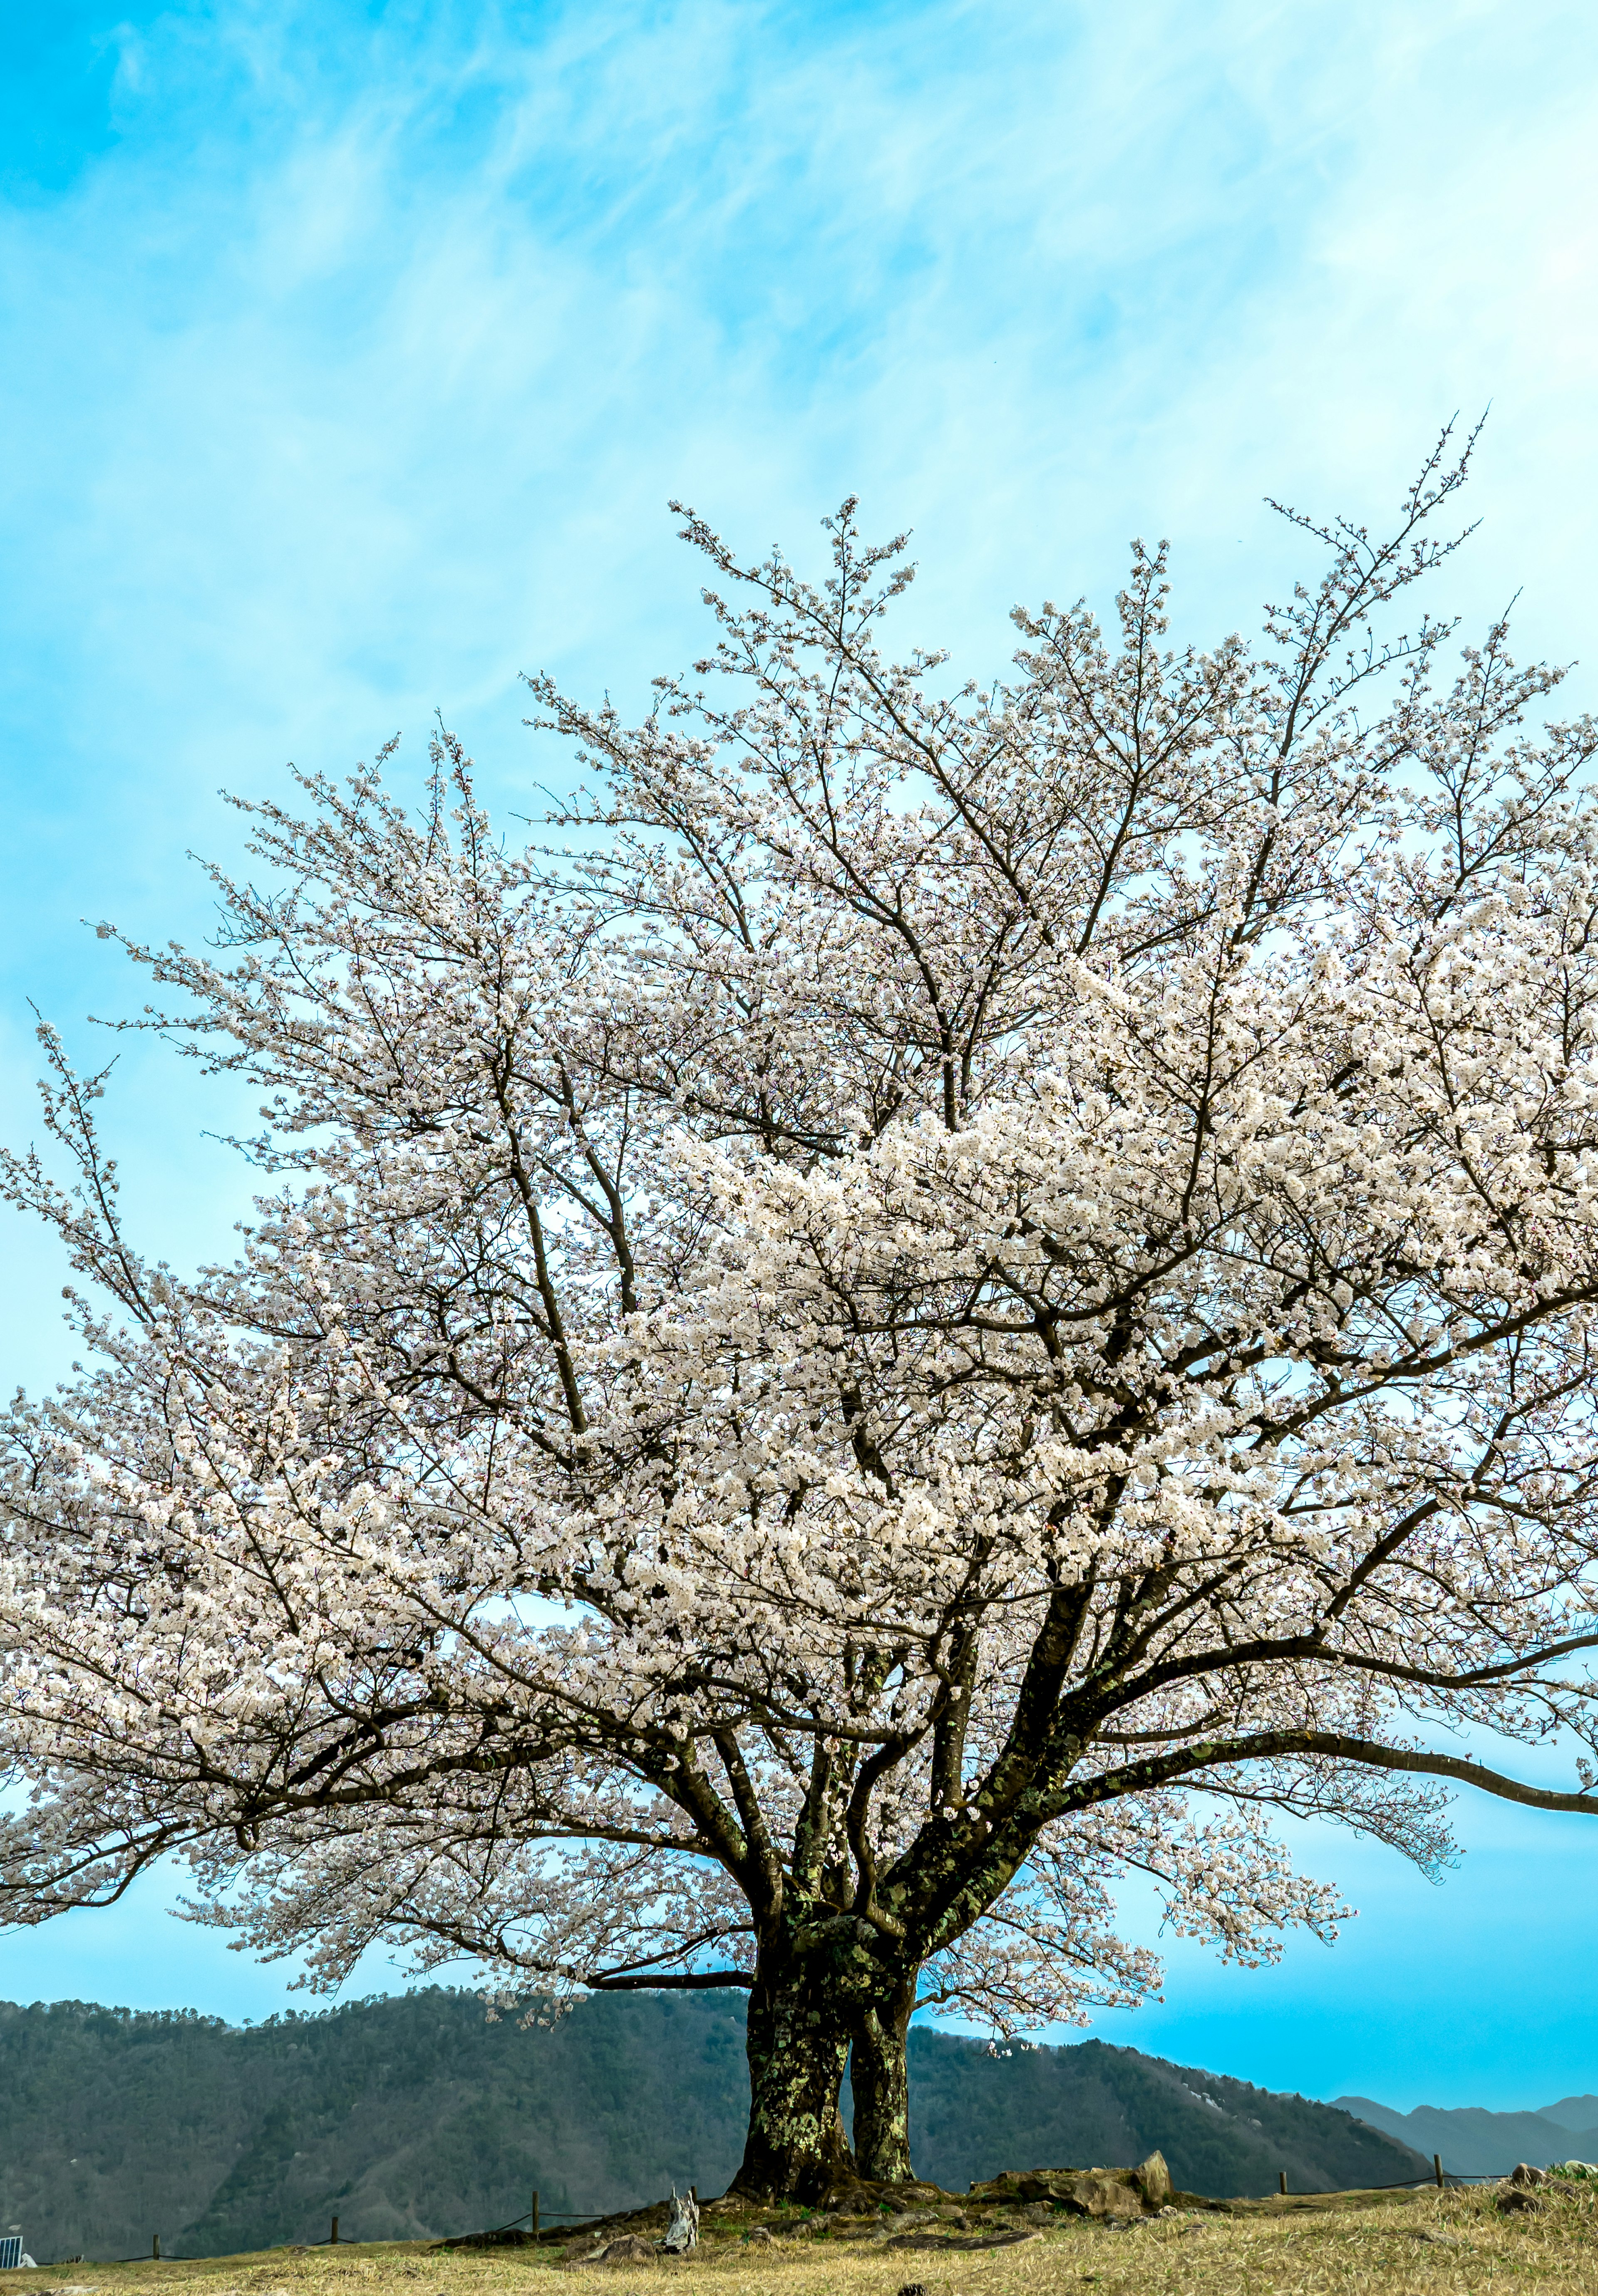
[(940, 1295)]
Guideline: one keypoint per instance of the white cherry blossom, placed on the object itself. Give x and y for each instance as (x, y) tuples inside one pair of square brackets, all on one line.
[(942, 1296)]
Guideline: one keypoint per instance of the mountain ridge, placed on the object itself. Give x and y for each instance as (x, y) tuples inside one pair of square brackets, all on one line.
[(413, 2116), (1472, 2142)]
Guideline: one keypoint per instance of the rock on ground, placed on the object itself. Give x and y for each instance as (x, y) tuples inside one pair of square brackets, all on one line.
[(1101, 2193)]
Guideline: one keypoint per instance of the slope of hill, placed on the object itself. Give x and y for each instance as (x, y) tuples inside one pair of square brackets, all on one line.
[(972, 2114), (413, 2116), (1474, 2142)]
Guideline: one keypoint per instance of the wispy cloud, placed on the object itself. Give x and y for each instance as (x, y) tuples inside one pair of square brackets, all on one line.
[(355, 373)]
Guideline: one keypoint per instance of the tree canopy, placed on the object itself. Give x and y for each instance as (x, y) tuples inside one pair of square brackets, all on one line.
[(941, 1294)]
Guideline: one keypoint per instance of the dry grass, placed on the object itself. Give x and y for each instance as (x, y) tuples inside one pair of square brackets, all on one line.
[(1430, 2243)]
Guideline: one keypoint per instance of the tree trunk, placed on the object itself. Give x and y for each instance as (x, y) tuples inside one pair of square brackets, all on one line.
[(880, 2078), (798, 2043)]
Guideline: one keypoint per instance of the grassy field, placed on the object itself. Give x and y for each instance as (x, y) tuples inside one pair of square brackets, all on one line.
[(1432, 2243)]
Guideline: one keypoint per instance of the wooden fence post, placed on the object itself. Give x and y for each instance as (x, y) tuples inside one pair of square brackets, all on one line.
[(1437, 2162), (535, 2216), (333, 2236), (1281, 2181), (155, 2247)]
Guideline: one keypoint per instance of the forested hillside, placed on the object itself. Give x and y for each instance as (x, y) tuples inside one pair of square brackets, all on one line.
[(972, 2114), (415, 2116)]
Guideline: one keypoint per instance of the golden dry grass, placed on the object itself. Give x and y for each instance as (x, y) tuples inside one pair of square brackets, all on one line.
[(1430, 2245)]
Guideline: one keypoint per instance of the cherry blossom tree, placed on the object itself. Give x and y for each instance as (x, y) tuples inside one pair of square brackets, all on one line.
[(941, 1296)]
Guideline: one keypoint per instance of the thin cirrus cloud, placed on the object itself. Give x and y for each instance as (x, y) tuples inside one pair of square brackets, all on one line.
[(354, 353)]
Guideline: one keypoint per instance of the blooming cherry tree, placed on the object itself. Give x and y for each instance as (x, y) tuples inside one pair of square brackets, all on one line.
[(942, 1296)]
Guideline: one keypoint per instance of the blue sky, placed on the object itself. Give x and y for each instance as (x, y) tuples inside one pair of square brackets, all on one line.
[(352, 354)]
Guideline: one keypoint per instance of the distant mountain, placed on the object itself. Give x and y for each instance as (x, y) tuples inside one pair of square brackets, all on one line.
[(1471, 2141), (412, 2116)]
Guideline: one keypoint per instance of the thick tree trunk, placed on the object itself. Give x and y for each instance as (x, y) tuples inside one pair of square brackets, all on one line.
[(879, 2076), (798, 2043), (817, 1996)]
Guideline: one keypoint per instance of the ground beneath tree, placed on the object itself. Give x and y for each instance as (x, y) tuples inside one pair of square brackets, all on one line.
[(1427, 2244)]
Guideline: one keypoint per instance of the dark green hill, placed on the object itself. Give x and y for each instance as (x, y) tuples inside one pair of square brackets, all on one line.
[(415, 2116), (972, 2114)]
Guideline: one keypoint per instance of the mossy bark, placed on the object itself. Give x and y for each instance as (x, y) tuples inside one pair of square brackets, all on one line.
[(878, 2075), (798, 2044), (821, 1990)]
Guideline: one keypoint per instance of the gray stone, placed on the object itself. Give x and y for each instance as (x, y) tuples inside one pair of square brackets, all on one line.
[(681, 2233)]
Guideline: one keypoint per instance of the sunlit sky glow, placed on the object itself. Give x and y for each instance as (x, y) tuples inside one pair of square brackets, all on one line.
[(353, 354)]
